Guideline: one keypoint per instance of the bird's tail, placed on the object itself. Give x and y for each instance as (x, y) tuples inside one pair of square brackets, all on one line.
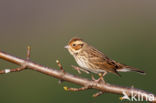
[(128, 69)]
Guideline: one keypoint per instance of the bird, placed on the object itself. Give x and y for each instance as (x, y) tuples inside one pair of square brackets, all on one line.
[(92, 60)]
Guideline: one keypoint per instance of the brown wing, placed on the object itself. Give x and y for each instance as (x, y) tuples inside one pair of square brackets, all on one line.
[(101, 61)]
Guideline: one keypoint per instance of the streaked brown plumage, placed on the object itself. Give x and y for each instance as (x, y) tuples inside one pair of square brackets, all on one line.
[(92, 60)]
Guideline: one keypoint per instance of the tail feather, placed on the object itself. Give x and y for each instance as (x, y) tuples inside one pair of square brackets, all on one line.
[(128, 68)]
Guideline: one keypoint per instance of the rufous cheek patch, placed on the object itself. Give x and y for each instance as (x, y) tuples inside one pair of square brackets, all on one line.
[(77, 47)]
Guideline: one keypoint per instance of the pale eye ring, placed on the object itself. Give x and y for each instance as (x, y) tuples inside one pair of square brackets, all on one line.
[(74, 45)]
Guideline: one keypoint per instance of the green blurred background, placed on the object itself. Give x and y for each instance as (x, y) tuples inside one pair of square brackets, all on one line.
[(124, 30)]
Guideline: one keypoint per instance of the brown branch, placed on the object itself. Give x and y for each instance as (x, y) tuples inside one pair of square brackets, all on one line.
[(22, 66), (85, 83)]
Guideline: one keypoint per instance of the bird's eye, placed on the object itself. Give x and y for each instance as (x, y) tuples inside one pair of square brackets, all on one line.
[(74, 45)]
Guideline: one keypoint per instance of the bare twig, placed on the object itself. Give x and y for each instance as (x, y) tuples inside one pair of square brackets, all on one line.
[(5, 71), (61, 68), (103, 87), (78, 69), (76, 89), (28, 52), (98, 94)]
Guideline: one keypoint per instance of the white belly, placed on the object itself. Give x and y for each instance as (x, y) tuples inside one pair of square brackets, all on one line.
[(83, 63)]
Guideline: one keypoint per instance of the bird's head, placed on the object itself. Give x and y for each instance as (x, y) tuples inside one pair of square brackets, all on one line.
[(75, 45)]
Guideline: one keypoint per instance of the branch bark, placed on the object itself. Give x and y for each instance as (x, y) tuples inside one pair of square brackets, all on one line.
[(85, 83)]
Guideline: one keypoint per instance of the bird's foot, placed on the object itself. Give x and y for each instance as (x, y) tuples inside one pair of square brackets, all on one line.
[(99, 80)]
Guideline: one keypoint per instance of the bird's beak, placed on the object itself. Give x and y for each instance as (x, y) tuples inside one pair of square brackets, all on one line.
[(67, 46)]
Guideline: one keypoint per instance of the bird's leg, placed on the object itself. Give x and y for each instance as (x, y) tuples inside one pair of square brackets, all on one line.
[(100, 79), (79, 69)]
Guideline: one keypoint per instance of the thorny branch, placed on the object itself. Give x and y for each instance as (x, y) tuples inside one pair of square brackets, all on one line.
[(64, 76)]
